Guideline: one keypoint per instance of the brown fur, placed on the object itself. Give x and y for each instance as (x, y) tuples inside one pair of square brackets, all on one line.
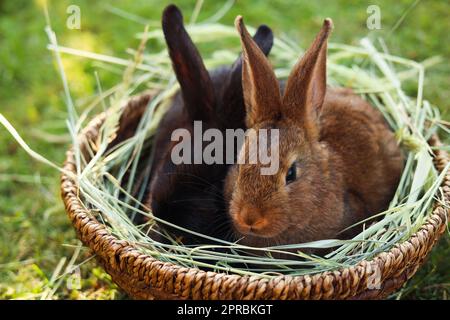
[(347, 160)]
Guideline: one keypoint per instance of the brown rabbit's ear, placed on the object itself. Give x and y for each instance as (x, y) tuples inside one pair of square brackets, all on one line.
[(306, 85), (232, 108), (261, 90), (195, 82)]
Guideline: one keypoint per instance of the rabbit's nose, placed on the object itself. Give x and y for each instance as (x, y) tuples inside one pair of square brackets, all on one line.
[(252, 220)]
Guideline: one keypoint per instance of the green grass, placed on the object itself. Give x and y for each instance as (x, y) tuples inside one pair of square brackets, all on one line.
[(35, 233)]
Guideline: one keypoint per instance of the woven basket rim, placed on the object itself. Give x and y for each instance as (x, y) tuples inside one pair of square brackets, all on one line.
[(143, 276)]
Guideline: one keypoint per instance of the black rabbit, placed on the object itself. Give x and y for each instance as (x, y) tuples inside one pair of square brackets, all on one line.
[(191, 195)]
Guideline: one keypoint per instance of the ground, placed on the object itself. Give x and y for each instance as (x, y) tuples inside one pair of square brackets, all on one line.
[(36, 238)]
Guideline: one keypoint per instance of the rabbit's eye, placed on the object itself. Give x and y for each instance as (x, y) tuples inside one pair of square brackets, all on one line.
[(291, 174)]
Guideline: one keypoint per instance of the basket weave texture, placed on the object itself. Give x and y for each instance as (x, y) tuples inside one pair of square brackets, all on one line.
[(144, 277)]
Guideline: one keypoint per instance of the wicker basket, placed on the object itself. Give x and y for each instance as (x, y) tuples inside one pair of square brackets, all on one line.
[(144, 277)]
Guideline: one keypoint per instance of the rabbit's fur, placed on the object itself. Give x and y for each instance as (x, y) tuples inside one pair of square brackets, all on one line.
[(343, 158)]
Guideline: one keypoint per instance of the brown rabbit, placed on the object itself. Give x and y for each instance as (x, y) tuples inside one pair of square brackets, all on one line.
[(338, 161)]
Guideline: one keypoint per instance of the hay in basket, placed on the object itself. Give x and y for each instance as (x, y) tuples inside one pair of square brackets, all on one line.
[(105, 164)]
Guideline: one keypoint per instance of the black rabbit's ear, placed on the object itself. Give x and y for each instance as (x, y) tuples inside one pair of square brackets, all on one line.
[(195, 82), (233, 100), (264, 39)]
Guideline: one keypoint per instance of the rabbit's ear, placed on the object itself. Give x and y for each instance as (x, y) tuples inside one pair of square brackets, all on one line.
[(195, 82), (306, 85), (233, 113), (264, 39), (261, 90)]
